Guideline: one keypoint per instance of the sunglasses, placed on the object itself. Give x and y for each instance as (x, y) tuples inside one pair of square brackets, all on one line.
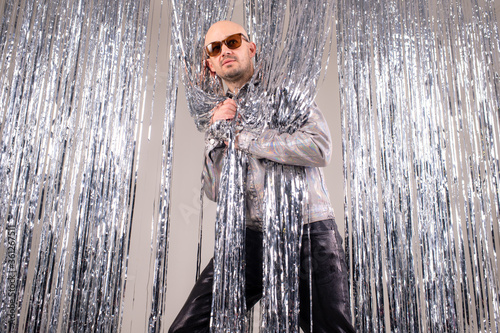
[(232, 42)]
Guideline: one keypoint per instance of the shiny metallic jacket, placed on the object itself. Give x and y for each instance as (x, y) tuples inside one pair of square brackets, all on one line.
[(309, 146)]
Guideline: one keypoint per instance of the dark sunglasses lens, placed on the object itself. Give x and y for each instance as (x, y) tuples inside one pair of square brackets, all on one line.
[(233, 42), (214, 48)]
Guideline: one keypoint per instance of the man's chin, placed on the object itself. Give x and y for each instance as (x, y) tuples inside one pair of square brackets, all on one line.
[(231, 75), (231, 69)]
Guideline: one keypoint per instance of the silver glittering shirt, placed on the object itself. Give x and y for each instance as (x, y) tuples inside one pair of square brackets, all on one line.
[(309, 146)]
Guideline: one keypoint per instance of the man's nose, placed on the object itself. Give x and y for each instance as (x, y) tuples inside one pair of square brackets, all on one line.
[(225, 49)]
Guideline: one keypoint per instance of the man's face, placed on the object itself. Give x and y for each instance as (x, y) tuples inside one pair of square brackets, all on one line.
[(232, 65)]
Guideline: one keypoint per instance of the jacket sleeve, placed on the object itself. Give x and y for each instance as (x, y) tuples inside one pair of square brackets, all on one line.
[(309, 146), (211, 171)]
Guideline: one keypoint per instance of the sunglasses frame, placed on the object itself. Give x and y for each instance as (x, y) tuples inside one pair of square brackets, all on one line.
[(224, 41)]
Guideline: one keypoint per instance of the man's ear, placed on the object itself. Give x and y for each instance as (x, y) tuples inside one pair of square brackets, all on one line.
[(253, 48), (210, 65)]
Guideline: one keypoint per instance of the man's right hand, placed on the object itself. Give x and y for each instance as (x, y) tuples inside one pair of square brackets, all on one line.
[(224, 111)]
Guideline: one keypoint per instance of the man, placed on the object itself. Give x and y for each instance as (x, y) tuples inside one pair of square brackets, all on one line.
[(230, 56)]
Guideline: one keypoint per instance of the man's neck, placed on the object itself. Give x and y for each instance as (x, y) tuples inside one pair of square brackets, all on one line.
[(235, 86)]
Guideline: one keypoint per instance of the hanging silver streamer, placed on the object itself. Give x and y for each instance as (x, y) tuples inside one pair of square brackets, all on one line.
[(203, 93), (228, 300), (160, 244), (71, 80), (420, 99), (289, 75), (192, 19), (283, 221)]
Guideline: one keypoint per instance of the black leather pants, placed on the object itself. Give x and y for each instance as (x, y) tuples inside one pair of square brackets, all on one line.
[(330, 297)]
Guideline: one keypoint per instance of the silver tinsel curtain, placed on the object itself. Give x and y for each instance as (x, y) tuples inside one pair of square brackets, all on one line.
[(71, 85), (420, 87), (420, 90)]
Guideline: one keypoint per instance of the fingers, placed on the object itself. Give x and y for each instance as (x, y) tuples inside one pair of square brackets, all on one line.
[(224, 111), (230, 101)]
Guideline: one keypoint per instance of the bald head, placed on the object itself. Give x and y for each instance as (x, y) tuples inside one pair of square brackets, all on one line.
[(218, 30), (233, 65)]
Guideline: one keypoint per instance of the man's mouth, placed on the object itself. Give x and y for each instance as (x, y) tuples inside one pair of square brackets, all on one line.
[(228, 61)]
